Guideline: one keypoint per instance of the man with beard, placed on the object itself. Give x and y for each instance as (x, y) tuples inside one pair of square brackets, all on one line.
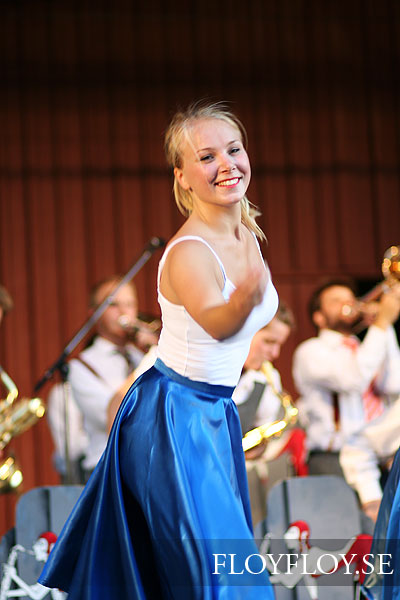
[(344, 383)]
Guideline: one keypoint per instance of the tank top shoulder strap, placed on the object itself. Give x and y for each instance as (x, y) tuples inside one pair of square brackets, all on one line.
[(183, 239)]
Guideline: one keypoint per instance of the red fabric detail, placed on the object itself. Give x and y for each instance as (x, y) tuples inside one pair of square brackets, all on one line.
[(296, 447), (360, 547), (50, 538), (351, 343), (373, 405), (304, 530)]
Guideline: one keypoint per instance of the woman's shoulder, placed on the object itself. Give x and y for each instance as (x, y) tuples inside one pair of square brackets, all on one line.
[(189, 239), (188, 262), (185, 251), (180, 245)]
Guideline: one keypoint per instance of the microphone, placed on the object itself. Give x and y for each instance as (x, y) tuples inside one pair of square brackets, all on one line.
[(126, 322), (156, 243)]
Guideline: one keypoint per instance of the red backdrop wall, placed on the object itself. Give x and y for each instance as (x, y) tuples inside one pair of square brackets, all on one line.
[(87, 91)]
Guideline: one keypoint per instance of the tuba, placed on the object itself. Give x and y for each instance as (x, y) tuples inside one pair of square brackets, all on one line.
[(260, 434), (15, 418)]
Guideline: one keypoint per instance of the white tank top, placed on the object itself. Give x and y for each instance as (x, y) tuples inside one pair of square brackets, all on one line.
[(189, 350)]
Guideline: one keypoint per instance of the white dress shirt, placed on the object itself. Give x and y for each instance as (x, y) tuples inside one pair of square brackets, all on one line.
[(364, 450), (77, 439), (324, 365), (93, 393)]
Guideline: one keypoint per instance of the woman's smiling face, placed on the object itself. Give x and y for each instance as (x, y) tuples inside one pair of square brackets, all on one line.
[(215, 165)]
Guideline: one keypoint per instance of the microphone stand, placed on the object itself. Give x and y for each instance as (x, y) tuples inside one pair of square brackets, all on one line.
[(61, 364)]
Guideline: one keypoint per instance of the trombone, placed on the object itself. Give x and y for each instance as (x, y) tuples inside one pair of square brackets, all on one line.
[(260, 434), (391, 273), (15, 418)]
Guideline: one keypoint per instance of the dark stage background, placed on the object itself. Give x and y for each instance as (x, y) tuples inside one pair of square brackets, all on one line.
[(87, 89)]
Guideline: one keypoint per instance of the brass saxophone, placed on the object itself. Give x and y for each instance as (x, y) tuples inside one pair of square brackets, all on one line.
[(15, 418), (256, 436)]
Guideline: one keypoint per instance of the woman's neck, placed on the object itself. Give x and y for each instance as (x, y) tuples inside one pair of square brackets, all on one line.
[(219, 221)]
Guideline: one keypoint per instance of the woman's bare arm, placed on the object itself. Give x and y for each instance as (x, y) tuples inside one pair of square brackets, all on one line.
[(192, 277)]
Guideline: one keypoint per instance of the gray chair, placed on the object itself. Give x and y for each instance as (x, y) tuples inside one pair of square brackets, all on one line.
[(329, 507), (42, 509)]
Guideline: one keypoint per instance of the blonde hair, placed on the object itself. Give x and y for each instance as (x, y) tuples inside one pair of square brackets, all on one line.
[(172, 145)]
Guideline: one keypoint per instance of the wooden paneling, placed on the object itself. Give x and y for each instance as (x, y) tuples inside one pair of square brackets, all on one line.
[(88, 90)]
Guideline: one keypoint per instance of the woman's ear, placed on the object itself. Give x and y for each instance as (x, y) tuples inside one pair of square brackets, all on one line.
[(179, 176)]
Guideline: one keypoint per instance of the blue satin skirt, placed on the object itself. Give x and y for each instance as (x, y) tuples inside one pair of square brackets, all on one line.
[(166, 513), (384, 582)]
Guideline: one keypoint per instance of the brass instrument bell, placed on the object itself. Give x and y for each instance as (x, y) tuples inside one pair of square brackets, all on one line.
[(391, 273), (10, 475), (260, 434), (15, 418)]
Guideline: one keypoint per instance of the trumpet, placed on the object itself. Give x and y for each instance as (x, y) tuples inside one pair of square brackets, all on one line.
[(15, 418), (391, 272), (138, 325), (142, 333), (260, 434)]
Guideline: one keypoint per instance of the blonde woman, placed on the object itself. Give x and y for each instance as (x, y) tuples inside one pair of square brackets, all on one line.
[(169, 499)]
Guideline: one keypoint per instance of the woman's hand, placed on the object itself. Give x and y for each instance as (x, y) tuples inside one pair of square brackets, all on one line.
[(389, 307), (250, 291)]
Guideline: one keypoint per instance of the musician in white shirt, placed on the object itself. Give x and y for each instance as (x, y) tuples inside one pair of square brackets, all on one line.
[(366, 451), (342, 382), (102, 368)]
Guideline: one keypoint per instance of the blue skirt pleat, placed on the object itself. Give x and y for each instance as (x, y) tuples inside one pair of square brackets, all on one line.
[(384, 582), (166, 513)]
